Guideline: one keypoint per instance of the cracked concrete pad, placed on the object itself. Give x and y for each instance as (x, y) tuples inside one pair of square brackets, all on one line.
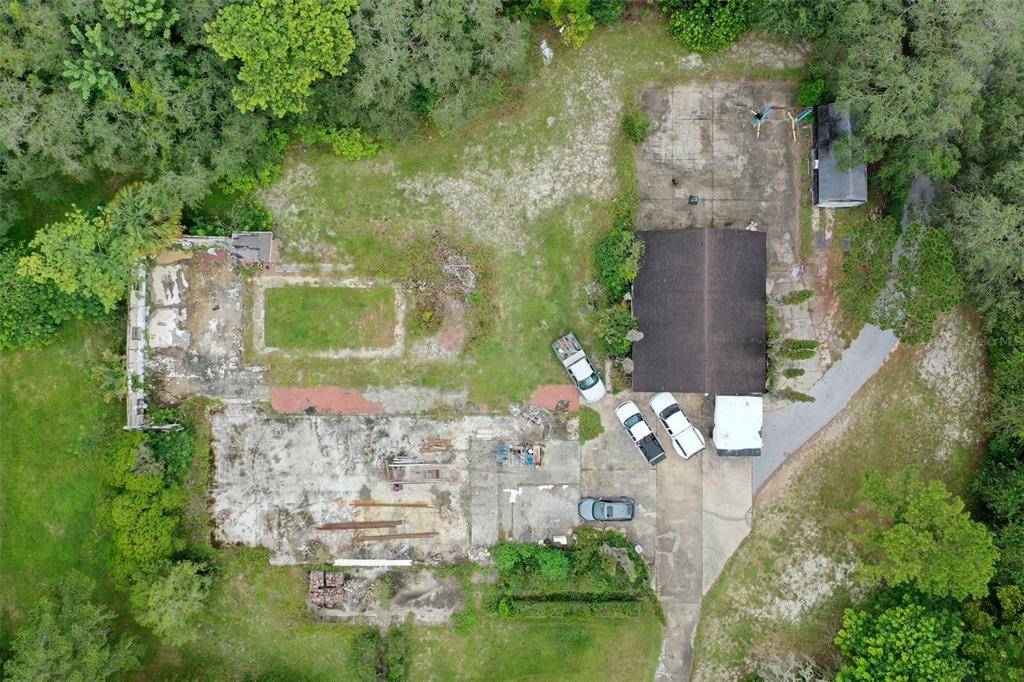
[(725, 516), (166, 329), (168, 284), (677, 645)]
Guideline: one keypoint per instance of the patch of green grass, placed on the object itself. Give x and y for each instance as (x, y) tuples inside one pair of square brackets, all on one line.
[(376, 215), (54, 427), (255, 624), (590, 424), (503, 649), (325, 318), (897, 418)]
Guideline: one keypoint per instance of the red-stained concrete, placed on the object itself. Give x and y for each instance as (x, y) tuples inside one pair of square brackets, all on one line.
[(451, 337), (218, 256), (549, 396), (325, 399)]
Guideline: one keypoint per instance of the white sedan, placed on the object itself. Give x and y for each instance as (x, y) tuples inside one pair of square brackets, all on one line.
[(686, 439)]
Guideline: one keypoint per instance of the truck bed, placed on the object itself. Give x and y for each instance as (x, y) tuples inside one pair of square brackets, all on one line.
[(567, 348), (651, 449)]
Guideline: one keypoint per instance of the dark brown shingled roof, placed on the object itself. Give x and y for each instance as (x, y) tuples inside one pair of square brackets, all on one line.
[(700, 302)]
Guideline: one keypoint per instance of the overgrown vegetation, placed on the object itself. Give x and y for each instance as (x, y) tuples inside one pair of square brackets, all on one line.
[(600, 574), (707, 26), (590, 424)]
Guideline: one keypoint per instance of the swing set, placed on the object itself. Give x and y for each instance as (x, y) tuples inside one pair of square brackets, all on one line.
[(760, 117)]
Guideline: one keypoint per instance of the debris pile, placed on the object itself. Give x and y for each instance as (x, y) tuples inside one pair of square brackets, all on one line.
[(325, 589)]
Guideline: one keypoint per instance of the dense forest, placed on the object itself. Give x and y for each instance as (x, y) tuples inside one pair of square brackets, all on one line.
[(125, 122)]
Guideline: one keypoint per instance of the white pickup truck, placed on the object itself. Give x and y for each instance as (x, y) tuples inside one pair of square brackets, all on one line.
[(579, 367)]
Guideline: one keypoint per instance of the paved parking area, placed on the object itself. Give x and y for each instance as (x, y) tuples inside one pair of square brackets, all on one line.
[(693, 514)]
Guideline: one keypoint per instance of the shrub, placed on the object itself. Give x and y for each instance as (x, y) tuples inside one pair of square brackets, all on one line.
[(618, 261), (144, 513), (636, 125), (351, 144), (797, 349), (267, 169), (572, 19), (1001, 487), (793, 372), (175, 449), (795, 396), (866, 268), (364, 656), (590, 424), (572, 609), (615, 323), (32, 312), (810, 92), (170, 600), (554, 564), (397, 643), (707, 26), (798, 296), (607, 11)]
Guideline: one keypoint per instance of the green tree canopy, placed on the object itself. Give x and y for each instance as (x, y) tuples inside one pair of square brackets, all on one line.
[(283, 46), (68, 638), (417, 59), (93, 255), (169, 601), (922, 535), (900, 639), (31, 312)]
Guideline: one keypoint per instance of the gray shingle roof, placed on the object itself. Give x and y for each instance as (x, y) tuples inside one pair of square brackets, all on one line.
[(833, 185)]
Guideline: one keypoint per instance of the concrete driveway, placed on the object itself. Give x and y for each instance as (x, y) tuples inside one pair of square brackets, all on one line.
[(692, 514)]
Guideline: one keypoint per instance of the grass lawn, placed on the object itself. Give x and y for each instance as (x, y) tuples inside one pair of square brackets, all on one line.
[(326, 318), (501, 649), (786, 587), (529, 186), (53, 429)]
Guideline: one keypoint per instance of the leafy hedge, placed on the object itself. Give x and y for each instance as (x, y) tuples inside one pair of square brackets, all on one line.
[(707, 26), (619, 253), (573, 609)]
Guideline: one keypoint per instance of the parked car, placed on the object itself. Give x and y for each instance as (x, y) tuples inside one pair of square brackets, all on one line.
[(579, 367), (607, 508), (687, 440), (640, 431)]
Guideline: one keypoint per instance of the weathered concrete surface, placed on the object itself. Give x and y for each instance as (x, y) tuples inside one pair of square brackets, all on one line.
[(702, 144), (277, 477), (786, 429), (196, 331), (692, 514)]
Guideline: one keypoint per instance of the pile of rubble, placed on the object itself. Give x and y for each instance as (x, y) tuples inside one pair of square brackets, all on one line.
[(325, 589)]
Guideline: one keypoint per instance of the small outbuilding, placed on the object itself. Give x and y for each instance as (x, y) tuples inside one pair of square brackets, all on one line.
[(700, 302), (832, 187)]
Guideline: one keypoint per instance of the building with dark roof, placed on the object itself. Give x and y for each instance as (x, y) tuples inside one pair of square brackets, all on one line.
[(700, 302), (832, 187)]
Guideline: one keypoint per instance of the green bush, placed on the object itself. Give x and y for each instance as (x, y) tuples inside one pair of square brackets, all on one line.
[(397, 654), (590, 424), (267, 167), (365, 660), (636, 125), (32, 312), (573, 20), (707, 26), (614, 323), (797, 349), (351, 144), (572, 609), (175, 449), (554, 564), (810, 92), (927, 282), (144, 513), (607, 11), (798, 296), (866, 268), (1001, 487), (792, 372), (795, 396), (618, 260)]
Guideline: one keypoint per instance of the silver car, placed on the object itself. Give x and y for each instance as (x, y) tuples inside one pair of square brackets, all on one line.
[(607, 508)]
